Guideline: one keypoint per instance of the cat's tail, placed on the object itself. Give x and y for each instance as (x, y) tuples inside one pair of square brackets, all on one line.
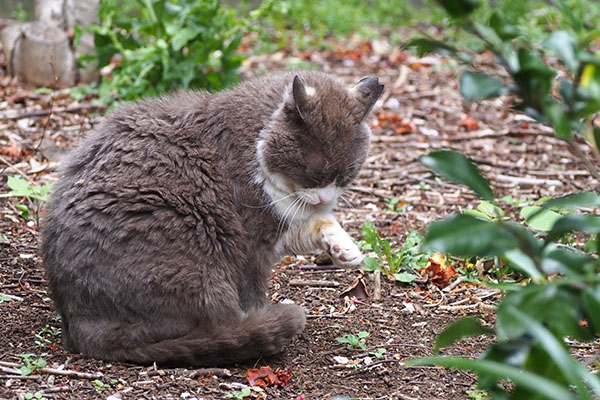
[(261, 333)]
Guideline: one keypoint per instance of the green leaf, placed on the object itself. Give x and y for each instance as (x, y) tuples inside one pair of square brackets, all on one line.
[(518, 260), (528, 380), (566, 261), (591, 300), (569, 223), (539, 218), (19, 186), (455, 166), (459, 8), (477, 86), (490, 209), (182, 37), (556, 114), (363, 334), (464, 235), (574, 201), (458, 330), (477, 214), (404, 277), (565, 46), (503, 29), (574, 372), (371, 264), (426, 46)]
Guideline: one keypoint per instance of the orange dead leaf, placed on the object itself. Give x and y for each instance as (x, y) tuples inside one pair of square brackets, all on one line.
[(439, 273), (264, 376), (469, 123), (396, 122), (13, 151)]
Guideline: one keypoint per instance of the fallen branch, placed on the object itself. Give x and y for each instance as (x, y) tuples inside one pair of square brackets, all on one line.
[(44, 113)]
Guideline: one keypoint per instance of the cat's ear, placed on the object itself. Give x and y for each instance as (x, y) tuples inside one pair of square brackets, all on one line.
[(367, 91), (300, 96)]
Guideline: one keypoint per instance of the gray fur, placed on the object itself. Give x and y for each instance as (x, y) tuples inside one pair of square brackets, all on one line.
[(159, 239)]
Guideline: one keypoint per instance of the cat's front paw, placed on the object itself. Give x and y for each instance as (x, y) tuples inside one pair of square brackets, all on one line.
[(344, 252)]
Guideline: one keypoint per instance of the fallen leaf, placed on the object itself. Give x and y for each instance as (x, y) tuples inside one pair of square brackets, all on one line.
[(264, 376), (358, 289), (469, 123), (13, 151), (438, 272), (394, 121)]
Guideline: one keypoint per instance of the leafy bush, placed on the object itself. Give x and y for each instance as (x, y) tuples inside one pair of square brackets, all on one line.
[(148, 47), (561, 299), (567, 101)]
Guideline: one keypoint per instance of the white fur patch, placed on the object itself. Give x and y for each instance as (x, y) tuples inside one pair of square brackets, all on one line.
[(310, 90)]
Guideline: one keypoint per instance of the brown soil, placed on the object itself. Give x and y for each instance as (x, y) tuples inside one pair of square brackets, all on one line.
[(422, 101)]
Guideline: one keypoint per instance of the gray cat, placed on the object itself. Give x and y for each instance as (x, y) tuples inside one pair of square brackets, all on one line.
[(161, 235)]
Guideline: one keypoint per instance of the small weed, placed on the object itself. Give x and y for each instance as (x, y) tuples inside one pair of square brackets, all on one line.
[(392, 205), (42, 337), (378, 353), (239, 395), (36, 196), (410, 257), (478, 394), (36, 395), (355, 341), (32, 362)]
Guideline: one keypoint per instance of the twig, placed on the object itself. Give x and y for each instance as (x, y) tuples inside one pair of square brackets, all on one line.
[(43, 113), (310, 316), (454, 284), (376, 285), (22, 377), (55, 371), (303, 282), (11, 166), (12, 297), (47, 122), (517, 180)]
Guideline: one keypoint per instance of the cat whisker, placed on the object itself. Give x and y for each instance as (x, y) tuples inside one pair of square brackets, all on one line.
[(347, 202), (286, 214), (271, 203)]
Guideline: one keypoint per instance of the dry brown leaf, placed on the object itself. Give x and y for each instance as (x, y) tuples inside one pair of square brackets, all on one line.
[(438, 272), (265, 376), (358, 289), (469, 123)]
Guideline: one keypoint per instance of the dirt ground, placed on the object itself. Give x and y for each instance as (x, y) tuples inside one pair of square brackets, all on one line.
[(420, 111)]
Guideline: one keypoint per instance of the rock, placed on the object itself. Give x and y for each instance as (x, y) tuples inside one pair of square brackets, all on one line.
[(37, 53)]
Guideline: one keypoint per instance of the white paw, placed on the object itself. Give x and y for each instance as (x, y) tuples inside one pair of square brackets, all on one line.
[(342, 249)]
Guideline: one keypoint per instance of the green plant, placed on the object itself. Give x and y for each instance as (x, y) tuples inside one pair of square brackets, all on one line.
[(32, 362), (152, 46), (239, 395), (392, 204), (532, 319), (567, 102), (36, 196), (19, 13), (42, 337), (355, 341), (36, 395), (378, 353), (394, 265)]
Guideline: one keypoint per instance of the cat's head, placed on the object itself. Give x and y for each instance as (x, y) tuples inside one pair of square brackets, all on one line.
[(316, 142)]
